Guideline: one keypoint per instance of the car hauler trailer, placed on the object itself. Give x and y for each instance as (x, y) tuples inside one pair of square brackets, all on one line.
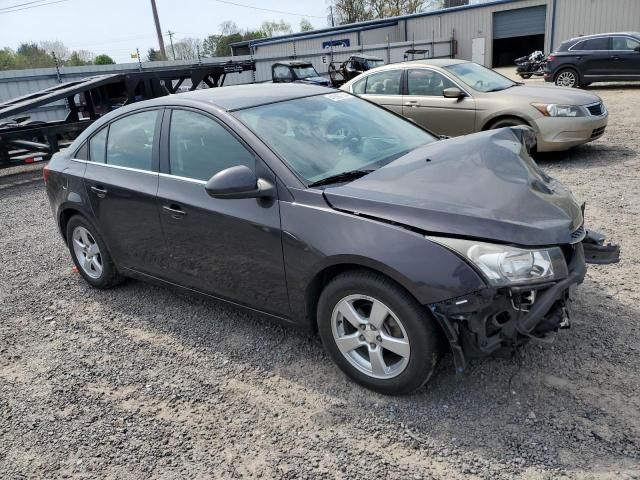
[(24, 141)]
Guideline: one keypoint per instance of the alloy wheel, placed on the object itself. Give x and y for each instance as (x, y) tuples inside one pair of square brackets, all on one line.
[(87, 252), (566, 79), (370, 336)]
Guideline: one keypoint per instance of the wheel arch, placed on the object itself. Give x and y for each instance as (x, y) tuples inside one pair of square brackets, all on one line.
[(506, 116), (65, 212), (329, 271)]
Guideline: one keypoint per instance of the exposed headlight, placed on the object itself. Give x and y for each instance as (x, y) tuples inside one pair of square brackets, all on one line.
[(555, 110), (506, 265)]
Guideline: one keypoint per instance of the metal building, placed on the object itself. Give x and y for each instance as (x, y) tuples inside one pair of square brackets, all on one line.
[(492, 33)]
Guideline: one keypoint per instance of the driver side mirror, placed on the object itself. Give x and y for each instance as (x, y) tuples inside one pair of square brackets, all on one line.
[(637, 49), (238, 182), (453, 93)]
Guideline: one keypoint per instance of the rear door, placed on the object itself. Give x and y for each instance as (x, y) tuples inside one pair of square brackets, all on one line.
[(595, 57), (425, 104), (383, 88), (121, 180), (225, 247), (625, 57)]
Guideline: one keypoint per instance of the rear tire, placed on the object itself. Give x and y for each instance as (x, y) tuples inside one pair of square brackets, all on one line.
[(526, 76), (567, 77), (90, 255), (377, 333)]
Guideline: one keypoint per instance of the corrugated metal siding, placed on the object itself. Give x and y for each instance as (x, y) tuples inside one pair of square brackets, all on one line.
[(467, 24), (380, 35), (583, 17), (520, 22)]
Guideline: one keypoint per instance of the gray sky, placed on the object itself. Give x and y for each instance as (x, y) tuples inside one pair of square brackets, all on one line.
[(117, 27)]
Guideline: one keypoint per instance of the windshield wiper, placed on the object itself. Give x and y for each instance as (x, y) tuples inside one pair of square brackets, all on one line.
[(499, 89), (341, 177)]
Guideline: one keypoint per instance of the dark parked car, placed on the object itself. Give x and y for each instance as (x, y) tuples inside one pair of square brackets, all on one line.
[(325, 210), (297, 71), (607, 57)]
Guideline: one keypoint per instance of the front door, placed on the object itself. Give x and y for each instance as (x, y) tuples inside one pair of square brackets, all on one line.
[(229, 248), (122, 181), (383, 88), (425, 104), (626, 60)]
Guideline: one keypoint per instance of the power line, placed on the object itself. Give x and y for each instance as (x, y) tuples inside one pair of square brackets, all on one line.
[(266, 9), (8, 9), (21, 4)]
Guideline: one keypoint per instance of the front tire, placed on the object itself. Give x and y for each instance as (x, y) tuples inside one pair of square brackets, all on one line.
[(90, 255), (377, 333)]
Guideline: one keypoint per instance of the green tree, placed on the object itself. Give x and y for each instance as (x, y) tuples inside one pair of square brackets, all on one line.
[(80, 57), (305, 25), (271, 28), (7, 59), (154, 55), (30, 55), (103, 60)]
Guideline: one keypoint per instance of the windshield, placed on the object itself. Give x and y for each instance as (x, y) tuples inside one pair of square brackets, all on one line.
[(480, 78), (325, 135), (305, 72), (369, 63)]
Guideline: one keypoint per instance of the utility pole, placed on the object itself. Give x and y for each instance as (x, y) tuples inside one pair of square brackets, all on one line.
[(163, 52), (171, 34), (332, 21)]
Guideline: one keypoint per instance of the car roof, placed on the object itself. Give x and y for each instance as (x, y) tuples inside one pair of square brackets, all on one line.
[(433, 62), (292, 63), (237, 97), (597, 35), (365, 56)]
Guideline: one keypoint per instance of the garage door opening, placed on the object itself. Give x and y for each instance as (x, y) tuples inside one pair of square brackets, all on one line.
[(516, 33), (506, 50)]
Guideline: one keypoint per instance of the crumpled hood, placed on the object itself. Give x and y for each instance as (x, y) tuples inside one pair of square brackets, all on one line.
[(551, 94), (483, 186)]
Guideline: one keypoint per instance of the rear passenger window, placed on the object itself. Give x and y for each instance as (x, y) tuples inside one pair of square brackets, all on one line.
[(199, 147), (579, 46), (384, 83), (98, 146), (130, 142), (597, 44)]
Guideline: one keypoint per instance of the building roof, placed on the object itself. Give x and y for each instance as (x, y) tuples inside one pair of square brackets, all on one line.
[(361, 26), (237, 97)]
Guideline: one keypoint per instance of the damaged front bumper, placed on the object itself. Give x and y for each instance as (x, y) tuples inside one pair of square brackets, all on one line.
[(500, 319)]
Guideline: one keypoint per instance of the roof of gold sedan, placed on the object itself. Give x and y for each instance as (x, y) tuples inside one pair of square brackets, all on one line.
[(433, 62)]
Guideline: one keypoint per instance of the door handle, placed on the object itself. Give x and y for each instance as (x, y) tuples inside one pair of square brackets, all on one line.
[(174, 210), (411, 103), (615, 57), (99, 190)]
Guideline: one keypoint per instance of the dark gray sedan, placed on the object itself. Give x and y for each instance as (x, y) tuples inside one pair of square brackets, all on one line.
[(324, 210)]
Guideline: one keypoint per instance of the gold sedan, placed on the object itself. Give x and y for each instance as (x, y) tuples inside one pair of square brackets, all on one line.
[(455, 97)]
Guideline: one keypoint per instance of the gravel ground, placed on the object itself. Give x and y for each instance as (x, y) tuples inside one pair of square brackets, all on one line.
[(143, 381)]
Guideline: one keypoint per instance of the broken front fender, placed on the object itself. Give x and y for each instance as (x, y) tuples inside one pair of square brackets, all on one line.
[(595, 250)]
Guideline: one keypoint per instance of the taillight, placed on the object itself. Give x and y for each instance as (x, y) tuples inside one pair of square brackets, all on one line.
[(45, 174)]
